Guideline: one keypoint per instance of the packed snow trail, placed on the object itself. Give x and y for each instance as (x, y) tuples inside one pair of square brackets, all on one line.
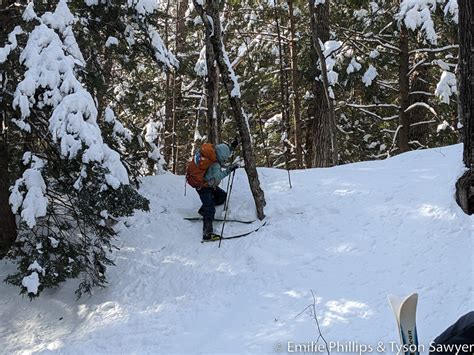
[(352, 234)]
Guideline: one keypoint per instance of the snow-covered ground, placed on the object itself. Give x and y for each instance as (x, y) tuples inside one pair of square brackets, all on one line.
[(352, 234)]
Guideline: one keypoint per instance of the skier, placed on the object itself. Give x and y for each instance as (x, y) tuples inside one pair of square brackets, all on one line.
[(204, 173), (460, 333)]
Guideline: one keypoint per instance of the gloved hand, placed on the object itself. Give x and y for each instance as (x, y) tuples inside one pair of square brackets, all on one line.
[(234, 144), (233, 167)]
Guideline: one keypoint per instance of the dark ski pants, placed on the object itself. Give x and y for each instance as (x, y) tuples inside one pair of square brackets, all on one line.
[(210, 198)]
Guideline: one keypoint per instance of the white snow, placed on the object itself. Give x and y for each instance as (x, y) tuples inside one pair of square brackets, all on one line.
[(236, 87), (11, 45), (28, 192), (152, 133), (29, 13), (162, 54), (51, 65), (201, 66), (111, 41), (144, 7), (274, 121), (442, 126), (417, 14), (352, 234), (31, 282), (36, 267), (451, 9), (353, 66), (330, 49), (374, 54), (369, 75), (119, 131), (446, 86)]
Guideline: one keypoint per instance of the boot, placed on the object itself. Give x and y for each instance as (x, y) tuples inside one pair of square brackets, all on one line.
[(207, 230)]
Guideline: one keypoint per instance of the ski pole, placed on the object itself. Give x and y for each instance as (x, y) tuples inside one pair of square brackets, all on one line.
[(227, 194), (225, 215)]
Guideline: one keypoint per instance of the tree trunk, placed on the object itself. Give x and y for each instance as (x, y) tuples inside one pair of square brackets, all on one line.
[(323, 152), (168, 134), (419, 132), (212, 10), (7, 219), (180, 41), (8, 230), (465, 185), (404, 86), (295, 78), (212, 80), (285, 114)]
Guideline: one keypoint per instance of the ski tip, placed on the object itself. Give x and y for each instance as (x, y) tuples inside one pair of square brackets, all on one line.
[(397, 302)]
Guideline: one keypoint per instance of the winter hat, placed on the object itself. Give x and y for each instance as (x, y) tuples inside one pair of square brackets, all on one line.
[(222, 152)]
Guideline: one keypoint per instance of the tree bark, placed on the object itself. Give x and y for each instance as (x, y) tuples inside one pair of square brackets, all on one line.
[(168, 134), (419, 132), (284, 104), (404, 86), (180, 41), (212, 80), (8, 231), (465, 185), (295, 78), (323, 151), (212, 10)]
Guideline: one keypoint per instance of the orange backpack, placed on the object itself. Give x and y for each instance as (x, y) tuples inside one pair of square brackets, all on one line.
[(197, 167)]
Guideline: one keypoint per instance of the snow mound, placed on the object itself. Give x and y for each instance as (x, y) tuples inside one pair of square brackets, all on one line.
[(352, 234)]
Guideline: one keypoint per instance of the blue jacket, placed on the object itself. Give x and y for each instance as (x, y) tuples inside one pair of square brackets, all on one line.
[(215, 174)]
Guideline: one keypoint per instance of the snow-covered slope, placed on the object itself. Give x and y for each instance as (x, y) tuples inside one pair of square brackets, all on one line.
[(352, 234)]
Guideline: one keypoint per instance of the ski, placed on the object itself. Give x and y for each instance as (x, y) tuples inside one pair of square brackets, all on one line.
[(405, 315), (217, 238), (220, 219)]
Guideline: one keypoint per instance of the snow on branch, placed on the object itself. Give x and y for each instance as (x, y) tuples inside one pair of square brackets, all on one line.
[(434, 50), (417, 14), (451, 9), (446, 86), (28, 193), (369, 75), (422, 104), (236, 89), (162, 54), (50, 80), (11, 45), (201, 65), (118, 129), (144, 7)]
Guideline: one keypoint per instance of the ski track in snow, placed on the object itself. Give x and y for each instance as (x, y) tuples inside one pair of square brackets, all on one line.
[(352, 234)]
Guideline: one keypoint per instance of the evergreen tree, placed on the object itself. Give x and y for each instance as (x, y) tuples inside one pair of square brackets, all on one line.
[(72, 157)]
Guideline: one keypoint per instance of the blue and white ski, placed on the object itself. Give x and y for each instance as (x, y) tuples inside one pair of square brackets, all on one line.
[(405, 314)]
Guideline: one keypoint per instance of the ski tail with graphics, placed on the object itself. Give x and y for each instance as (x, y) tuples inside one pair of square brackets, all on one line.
[(405, 315)]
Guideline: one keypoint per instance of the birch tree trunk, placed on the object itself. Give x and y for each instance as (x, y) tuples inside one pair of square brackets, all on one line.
[(214, 36), (465, 185)]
